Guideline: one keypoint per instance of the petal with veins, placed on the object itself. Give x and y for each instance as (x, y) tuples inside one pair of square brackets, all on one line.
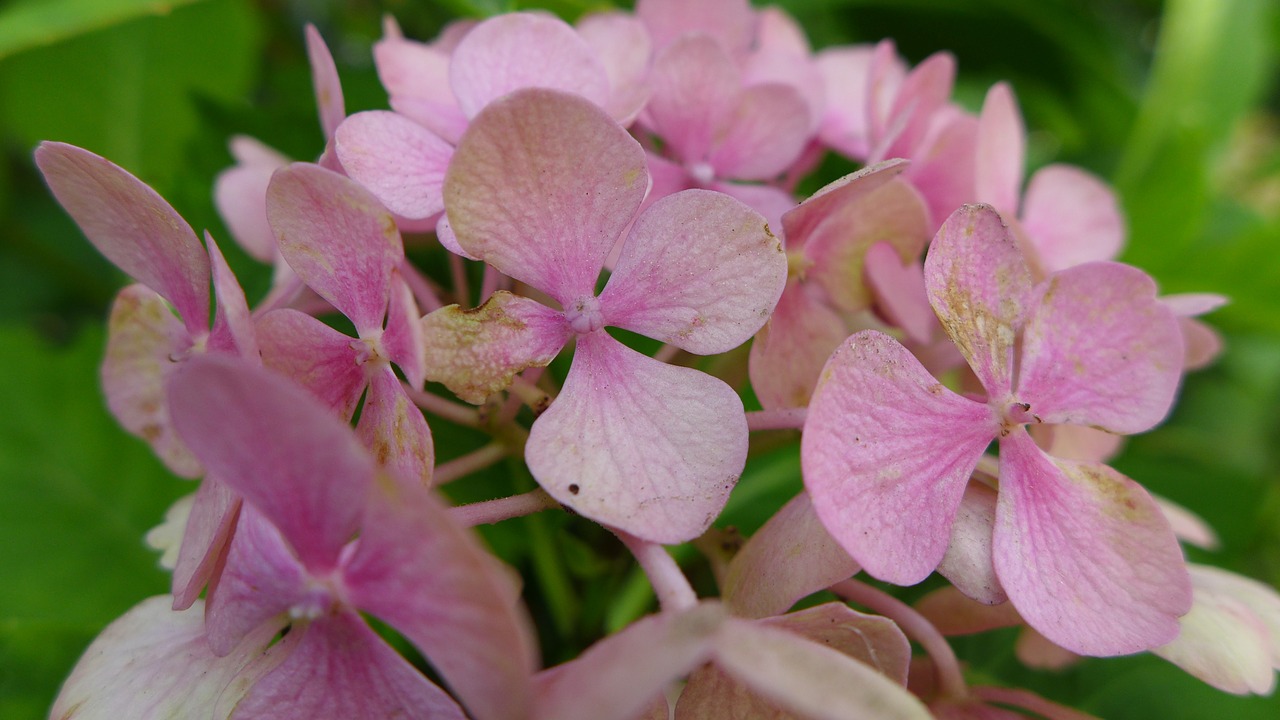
[(695, 92), (763, 135), (1072, 217), (790, 350), (325, 82), (394, 430), (398, 160), (968, 564), (315, 356), (403, 338), (208, 530), (1001, 147), (636, 444)]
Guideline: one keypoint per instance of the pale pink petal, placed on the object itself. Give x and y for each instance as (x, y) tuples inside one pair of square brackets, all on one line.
[(790, 350), (1002, 142), (233, 330), (1040, 653), (802, 220), (324, 80), (521, 198), (524, 50), (403, 339), (954, 613), (763, 135), (968, 564), (695, 90), (433, 581), (630, 442), (416, 77), (625, 50), (476, 353), (1076, 442), (339, 239), (444, 233), (315, 356), (276, 445), (798, 71), (209, 527), (1261, 599), (240, 193), (698, 270), (980, 287), (132, 226), (394, 430), (1188, 526), (1072, 217), (899, 292), (1099, 349), (924, 91), (846, 81), (893, 213), (807, 677), (619, 676), (145, 342), (769, 201), (731, 23), (1187, 305), (260, 580), (1203, 343), (886, 73), (790, 557), (886, 454), (151, 662), (342, 669), (943, 168), (1085, 554), (398, 160)]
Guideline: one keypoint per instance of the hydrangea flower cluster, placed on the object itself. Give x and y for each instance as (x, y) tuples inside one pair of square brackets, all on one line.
[(958, 352)]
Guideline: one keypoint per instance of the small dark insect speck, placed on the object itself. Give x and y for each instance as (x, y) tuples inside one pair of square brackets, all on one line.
[(573, 489)]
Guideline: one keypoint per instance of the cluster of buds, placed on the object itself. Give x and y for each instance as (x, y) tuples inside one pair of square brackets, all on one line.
[(638, 172)]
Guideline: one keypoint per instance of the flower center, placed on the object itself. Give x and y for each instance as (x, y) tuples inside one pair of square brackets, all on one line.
[(369, 350), (701, 172), (584, 315), (1015, 414), (316, 601)]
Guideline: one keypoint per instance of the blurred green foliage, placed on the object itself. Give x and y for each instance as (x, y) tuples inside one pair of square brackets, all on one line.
[(1177, 102)]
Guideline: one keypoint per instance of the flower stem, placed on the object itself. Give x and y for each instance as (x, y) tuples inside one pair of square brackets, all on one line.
[(950, 678), (469, 463), (669, 583), (447, 409), (458, 271), (493, 511), (784, 419), (420, 286)]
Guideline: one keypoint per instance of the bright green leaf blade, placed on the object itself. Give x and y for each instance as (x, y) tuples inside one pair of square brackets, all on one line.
[(30, 24)]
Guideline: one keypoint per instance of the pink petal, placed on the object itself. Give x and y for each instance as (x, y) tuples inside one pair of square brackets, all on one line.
[(846, 75), (315, 356), (261, 580), (618, 676), (416, 77), (145, 342), (1039, 653), (943, 168), (431, 580), (625, 50), (398, 160), (476, 353), (698, 270), (1084, 553), (968, 563), (325, 82), (403, 338), (769, 201), (924, 91), (240, 193), (1001, 149), (809, 678), (790, 350), (1187, 526), (151, 663), (802, 220), (892, 213), (793, 69), (1186, 305), (444, 233), (521, 198), (1203, 343), (1076, 442), (1072, 217), (630, 442), (278, 447), (1099, 349), (899, 292), (524, 50), (209, 528), (730, 22), (394, 430), (132, 226), (695, 92), (233, 330), (342, 669), (790, 557), (886, 454), (338, 238), (764, 134), (886, 73), (980, 287), (954, 613)]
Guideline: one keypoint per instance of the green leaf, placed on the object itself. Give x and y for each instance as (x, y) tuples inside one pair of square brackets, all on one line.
[(25, 25), (128, 92), (76, 497)]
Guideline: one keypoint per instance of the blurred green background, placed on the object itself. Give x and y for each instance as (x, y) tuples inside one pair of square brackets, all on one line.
[(1177, 102)]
